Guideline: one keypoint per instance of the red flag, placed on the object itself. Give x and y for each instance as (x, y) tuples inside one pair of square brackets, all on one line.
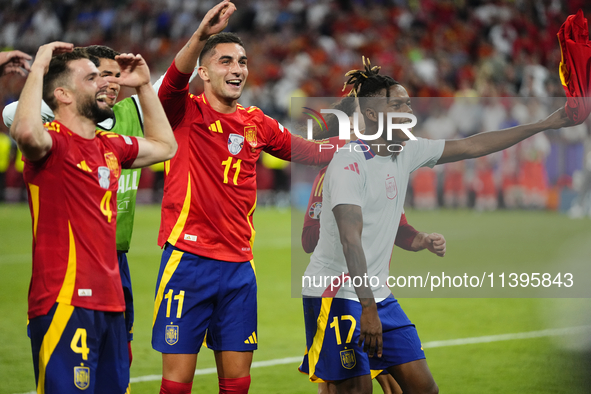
[(575, 66)]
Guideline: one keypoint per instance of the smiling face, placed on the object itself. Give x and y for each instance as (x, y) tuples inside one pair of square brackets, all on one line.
[(224, 72), (89, 91), (399, 101), (110, 68)]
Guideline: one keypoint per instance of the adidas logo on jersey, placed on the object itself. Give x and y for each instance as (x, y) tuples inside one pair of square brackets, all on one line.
[(353, 167), (216, 127)]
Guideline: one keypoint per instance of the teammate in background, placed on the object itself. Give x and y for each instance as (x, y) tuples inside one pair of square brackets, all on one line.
[(207, 279), (13, 62), (362, 211), (76, 301), (407, 237), (127, 120)]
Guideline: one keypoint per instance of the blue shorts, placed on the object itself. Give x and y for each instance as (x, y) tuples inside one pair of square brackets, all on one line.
[(195, 294), (127, 293), (332, 334), (79, 350)]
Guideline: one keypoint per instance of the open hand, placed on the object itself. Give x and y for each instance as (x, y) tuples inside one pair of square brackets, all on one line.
[(134, 71), (216, 19), (47, 51)]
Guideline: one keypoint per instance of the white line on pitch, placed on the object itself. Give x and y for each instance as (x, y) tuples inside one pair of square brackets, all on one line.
[(427, 345)]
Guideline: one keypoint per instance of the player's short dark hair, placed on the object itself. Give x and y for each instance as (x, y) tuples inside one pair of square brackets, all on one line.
[(368, 82), (102, 52), (58, 74), (221, 38)]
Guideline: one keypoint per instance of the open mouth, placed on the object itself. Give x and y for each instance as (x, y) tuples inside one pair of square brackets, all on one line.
[(101, 97), (234, 82)]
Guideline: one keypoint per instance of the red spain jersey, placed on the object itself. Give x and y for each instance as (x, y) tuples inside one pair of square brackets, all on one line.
[(72, 198), (210, 186)]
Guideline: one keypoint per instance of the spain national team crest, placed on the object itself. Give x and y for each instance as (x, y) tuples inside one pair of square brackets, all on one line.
[(104, 177), (250, 133), (315, 210), (82, 377), (172, 334), (391, 189), (235, 143), (113, 163), (348, 358)]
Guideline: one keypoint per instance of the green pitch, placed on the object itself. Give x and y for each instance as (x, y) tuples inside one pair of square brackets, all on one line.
[(547, 364)]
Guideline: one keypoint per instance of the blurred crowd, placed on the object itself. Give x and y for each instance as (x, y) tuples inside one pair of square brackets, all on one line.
[(299, 48)]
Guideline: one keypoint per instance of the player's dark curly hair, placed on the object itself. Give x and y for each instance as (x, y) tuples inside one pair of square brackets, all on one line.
[(368, 82), (59, 72), (221, 38), (102, 52)]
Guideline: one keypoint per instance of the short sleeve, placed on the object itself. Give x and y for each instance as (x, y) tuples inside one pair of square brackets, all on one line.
[(126, 149), (422, 153), (345, 180)]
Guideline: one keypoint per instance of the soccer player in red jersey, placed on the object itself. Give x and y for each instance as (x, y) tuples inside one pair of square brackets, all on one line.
[(206, 281), (76, 302)]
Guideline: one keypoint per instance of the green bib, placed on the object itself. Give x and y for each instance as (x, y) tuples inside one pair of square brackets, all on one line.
[(127, 122)]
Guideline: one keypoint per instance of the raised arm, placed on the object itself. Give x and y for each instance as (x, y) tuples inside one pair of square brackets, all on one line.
[(14, 62), (213, 22), (28, 132), (349, 220), (493, 141), (158, 143)]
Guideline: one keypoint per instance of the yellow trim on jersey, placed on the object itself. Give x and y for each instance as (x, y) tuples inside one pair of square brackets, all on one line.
[(180, 223), (166, 167), (34, 190), (375, 372), (321, 324), (562, 71), (251, 109), (67, 290), (253, 232), (171, 266), (61, 317), (320, 186)]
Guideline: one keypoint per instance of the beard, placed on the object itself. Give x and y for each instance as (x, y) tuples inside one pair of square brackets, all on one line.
[(90, 109)]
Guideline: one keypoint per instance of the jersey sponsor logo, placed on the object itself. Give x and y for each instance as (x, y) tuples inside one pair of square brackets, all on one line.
[(113, 163), (127, 140), (171, 335), (104, 177), (348, 358), (84, 292), (216, 127), (353, 167), (250, 133), (189, 237), (391, 189), (235, 143), (82, 377), (315, 210)]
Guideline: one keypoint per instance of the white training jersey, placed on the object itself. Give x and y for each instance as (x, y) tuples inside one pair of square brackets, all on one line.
[(357, 176)]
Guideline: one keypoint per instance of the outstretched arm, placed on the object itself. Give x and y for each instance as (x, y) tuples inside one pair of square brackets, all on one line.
[(158, 143), (493, 141), (28, 132), (214, 22), (349, 220)]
